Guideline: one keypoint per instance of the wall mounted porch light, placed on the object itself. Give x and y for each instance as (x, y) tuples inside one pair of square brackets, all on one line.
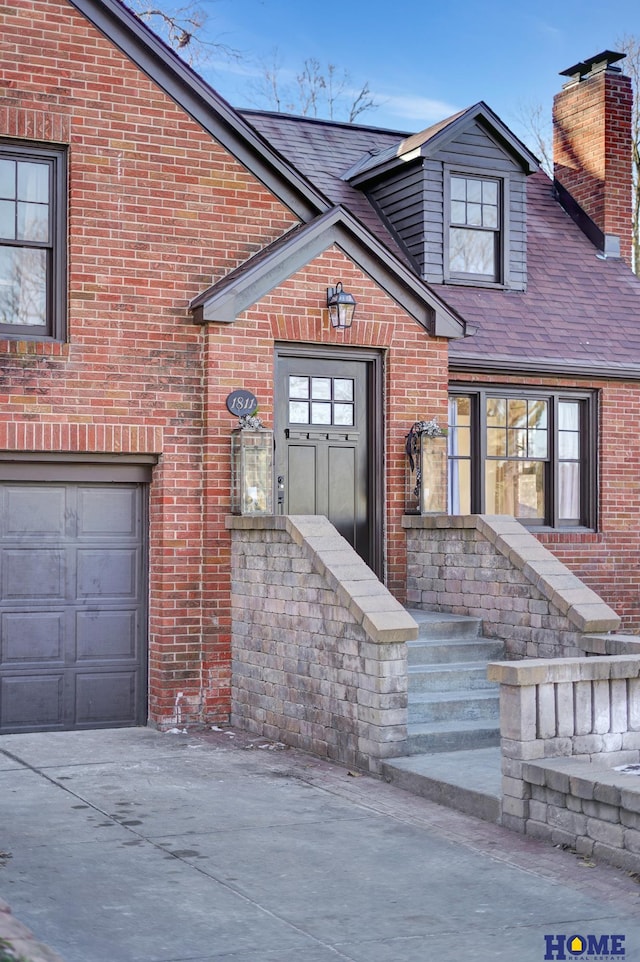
[(342, 307), (251, 468)]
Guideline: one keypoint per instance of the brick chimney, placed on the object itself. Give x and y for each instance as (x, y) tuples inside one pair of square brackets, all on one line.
[(592, 150)]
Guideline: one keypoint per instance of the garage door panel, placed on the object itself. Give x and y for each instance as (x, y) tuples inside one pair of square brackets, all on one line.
[(108, 512), (34, 512), (108, 574), (104, 635), (28, 636), (33, 573), (29, 701), (105, 697), (72, 604)]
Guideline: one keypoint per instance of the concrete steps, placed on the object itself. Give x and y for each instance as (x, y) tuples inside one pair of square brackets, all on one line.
[(452, 751), (449, 693)]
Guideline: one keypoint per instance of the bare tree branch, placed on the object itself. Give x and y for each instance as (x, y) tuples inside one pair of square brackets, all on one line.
[(315, 91), (536, 124), (183, 27), (630, 45)]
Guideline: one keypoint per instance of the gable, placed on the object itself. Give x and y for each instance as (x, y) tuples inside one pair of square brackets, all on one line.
[(474, 145), (413, 198), (227, 299)]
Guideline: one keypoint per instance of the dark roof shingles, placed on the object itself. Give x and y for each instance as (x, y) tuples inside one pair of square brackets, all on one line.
[(577, 308)]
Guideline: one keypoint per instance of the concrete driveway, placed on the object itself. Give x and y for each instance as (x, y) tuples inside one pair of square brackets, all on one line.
[(137, 846)]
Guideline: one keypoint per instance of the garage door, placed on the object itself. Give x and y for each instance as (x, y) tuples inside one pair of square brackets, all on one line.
[(72, 607)]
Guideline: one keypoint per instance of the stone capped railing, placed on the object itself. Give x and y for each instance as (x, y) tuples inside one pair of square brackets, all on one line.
[(319, 656), (565, 725), (493, 568)]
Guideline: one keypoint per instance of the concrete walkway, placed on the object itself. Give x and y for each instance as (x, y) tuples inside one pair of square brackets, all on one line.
[(136, 846)]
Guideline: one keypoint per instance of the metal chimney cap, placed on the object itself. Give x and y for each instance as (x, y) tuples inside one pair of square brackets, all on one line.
[(602, 61)]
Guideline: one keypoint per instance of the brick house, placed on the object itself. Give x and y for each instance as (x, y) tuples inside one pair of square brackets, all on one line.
[(159, 250)]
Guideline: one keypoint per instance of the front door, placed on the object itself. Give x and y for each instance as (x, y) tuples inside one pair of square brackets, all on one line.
[(326, 448)]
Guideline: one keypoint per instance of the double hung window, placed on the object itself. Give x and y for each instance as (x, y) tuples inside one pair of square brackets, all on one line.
[(475, 228), (32, 241), (526, 455)]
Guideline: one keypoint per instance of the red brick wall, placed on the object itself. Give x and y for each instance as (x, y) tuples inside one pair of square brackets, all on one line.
[(608, 559), (243, 355), (157, 212), (592, 150)]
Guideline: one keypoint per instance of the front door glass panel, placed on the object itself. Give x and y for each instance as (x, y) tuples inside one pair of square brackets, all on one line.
[(321, 400)]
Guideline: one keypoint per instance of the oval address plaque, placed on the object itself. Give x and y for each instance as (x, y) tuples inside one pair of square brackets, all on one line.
[(242, 402)]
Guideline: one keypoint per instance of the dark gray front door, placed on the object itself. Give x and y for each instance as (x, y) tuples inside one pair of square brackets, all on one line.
[(72, 606), (325, 452)]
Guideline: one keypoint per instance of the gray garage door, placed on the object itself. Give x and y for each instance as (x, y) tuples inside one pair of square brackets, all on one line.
[(72, 611)]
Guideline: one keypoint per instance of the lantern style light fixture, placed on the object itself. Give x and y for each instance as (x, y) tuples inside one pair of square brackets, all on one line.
[(426, 485), (342, 307), (251, 470)]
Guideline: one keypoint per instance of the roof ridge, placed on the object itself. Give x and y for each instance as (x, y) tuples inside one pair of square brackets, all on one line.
[(322, 121)]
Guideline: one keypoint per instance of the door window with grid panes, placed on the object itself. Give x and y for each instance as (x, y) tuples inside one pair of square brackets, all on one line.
[(321, 400)]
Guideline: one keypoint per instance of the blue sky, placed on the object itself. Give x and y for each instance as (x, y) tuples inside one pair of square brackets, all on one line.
[(422, 60)]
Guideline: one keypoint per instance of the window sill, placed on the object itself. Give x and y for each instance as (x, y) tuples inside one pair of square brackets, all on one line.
[(560, 532), (24, 348), (475, 282)]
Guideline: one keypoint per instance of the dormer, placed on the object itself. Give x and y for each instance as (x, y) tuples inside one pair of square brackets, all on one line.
[(454, 195)]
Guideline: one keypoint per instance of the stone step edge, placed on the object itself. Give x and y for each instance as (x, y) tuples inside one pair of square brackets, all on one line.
[(486, 806), (449, 666)]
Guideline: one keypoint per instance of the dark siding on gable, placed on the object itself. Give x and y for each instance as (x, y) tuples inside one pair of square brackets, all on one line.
[(411, 199), (517, 213), (401, 199), (433, 260), (476, 148)]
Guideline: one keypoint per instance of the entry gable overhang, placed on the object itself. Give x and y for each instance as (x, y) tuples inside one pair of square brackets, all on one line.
[(201, 102), (436, 138), (239, 290)]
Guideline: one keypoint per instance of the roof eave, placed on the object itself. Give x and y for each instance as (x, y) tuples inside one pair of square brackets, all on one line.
[(482, 364)]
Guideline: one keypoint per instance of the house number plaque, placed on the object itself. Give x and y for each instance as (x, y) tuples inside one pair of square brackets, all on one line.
[(241, 403)]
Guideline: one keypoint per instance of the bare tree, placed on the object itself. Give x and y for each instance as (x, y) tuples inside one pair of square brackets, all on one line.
[(315, 91), (537, 129), (183, 27)]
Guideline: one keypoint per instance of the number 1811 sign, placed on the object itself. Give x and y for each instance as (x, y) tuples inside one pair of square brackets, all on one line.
[(241, 403)]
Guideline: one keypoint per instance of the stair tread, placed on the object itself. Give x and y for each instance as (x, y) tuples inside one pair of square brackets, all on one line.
[(434, 641), (426, 615), (453, 725), (447, 666), (424, 697)]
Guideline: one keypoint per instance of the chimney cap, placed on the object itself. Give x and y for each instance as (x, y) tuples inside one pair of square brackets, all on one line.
[(602, 61)]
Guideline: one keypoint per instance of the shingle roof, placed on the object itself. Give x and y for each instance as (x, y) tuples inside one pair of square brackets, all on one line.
[(579, 312), (323, 152), (578, 308)]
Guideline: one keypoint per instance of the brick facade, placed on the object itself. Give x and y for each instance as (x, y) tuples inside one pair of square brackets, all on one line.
[(158, 211)]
